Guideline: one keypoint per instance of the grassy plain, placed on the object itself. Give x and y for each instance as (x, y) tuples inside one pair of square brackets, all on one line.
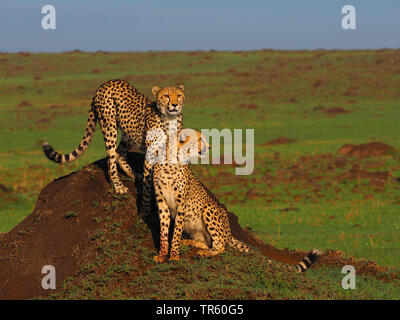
[(301, 194)]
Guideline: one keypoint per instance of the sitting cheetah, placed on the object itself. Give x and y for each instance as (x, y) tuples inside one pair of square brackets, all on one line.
[(117, 104), (181, 196)]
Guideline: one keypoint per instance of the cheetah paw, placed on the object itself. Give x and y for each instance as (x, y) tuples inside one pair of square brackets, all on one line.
[(206, 253), (173, 258), (160, 258), (121, 189)]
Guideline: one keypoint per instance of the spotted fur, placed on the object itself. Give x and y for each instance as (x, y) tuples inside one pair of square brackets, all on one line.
[(117, 104)]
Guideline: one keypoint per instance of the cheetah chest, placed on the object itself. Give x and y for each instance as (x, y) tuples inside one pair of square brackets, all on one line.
[(168, 181), (172, 183)]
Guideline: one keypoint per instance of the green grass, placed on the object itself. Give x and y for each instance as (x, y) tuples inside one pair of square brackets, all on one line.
[(372, 236), (71, 214), (356, 216), (230, 275)]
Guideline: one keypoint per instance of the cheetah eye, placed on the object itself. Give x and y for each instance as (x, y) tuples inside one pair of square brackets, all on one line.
[(179, 95), (166, 96)]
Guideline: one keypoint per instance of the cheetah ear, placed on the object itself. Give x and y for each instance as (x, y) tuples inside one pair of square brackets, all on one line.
[(155, 91), (181, 87)]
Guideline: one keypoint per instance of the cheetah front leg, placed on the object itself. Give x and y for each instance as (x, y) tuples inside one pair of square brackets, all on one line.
[(165, 219), (177, 236), (109, 129)]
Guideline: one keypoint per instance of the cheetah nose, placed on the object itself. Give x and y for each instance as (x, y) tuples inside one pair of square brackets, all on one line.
[(174, 104)]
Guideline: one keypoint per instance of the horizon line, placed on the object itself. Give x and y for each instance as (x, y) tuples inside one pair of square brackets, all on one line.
[(199, 50)]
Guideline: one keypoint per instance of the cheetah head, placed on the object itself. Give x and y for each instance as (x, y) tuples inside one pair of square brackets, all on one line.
[(192, 144), (169, 100)]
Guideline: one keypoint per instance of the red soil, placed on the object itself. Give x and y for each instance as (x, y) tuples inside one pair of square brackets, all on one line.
[(280, 140), (24, 103), (366, 150)]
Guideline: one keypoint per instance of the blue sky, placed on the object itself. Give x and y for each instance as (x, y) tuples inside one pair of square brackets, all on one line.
[(122, 25)]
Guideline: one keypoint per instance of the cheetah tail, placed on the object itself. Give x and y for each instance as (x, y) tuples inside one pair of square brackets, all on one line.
[(307, 261), (239, 245), (69, 157)]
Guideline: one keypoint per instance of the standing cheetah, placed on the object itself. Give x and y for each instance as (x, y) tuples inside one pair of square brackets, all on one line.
[(117, 104), (181, 196)]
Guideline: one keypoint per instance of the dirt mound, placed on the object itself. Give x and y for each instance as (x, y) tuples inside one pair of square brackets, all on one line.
[(280, 140), (4, 189), (318, 83), (366, 150), (7, 195), (355, 173), (248, 106), (335, 110), (59, 232), (24, 53), (75, 51), (222, 160), (76, 213), (377, 179), (331, 111), (24, 103)]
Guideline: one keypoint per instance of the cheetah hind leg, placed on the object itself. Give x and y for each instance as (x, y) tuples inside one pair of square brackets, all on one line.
[(109, 129), (125, 166), (124, 147), (218, 246)]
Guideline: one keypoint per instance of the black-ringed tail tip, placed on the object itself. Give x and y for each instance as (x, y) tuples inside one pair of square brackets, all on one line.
[(50, 153), (308, 260)]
